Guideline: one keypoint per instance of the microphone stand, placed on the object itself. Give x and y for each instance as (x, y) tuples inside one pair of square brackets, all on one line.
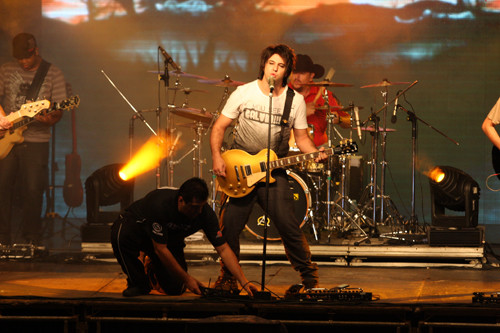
[(266, 201), (413, 118)]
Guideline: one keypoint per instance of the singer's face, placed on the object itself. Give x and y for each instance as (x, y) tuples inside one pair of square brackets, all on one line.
[(299, 79), (275, 66)]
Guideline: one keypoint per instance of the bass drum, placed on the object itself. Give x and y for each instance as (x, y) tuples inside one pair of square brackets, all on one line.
[(302, 206)]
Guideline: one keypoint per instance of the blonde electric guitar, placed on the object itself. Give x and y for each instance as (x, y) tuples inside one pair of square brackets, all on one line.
[(243, 170), (24, 116)]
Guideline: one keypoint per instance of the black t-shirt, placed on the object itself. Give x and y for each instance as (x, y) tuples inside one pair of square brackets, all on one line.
[(157, 212)]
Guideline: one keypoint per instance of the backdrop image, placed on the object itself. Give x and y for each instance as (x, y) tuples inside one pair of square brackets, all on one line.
[(448, 50)]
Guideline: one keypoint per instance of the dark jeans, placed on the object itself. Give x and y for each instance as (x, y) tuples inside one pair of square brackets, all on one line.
[(128, 238), (281, 211), (27, 163)]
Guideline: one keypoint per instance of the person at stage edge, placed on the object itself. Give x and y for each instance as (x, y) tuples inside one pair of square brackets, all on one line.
[(489, 123), (249, 104), (305, 71), (157, 225), (25, 168)]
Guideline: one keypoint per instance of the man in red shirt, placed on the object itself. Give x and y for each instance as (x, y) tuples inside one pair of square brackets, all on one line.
[(304, 73)]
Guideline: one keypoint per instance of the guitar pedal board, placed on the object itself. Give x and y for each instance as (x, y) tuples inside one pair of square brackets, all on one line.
[(337, 294), (228, 294), (486, 298)]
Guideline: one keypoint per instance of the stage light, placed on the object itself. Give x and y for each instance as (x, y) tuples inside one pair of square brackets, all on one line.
[(105, 187), (146, 158), (454, 190)]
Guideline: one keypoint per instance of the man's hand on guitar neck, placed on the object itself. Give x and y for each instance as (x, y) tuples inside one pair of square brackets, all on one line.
[(4, 123), (49, 119), (322, 156)]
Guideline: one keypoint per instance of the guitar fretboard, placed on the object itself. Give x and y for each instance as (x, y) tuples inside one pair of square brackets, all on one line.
[(285, 161)]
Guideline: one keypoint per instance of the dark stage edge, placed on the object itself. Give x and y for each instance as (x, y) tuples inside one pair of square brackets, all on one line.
[(222, 315), (415, 287)]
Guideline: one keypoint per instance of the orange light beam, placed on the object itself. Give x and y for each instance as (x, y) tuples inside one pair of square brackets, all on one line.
[(147, 158)]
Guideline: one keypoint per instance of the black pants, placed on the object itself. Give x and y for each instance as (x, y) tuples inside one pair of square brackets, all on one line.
[(128, 238), (281, 211)]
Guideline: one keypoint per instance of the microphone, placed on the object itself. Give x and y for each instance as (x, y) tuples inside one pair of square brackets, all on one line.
[(169, 59), (270, 81), (394, 117), (356, 117)]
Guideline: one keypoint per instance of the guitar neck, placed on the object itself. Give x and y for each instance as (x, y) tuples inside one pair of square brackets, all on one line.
[(295, 159), (27, 121)]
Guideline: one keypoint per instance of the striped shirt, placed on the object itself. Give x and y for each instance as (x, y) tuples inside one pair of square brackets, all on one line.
[(14, 85)]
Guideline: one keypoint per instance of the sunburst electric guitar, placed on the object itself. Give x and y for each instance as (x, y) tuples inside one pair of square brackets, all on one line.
[(26, 115), (243, 170)]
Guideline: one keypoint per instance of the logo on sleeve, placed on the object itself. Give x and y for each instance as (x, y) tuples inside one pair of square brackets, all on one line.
[(157, 229), (219, 234)]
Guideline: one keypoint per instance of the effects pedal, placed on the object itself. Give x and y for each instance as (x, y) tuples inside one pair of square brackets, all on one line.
[(341, 293)]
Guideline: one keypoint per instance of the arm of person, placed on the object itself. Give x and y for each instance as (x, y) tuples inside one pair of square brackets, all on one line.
[(4, 122), (489, 129), (216, 139), (234, 267), (306, 145), (50, 118), (173, 266)]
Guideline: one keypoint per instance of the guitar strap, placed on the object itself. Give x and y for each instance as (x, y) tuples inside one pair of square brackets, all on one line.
[(36, 84), (283, 147)]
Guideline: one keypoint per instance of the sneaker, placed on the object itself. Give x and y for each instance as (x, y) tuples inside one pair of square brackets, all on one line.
[(227, 283), (135, 291), (310, 283)]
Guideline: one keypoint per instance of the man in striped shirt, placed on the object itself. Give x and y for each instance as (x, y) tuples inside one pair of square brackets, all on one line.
[(25, 168)]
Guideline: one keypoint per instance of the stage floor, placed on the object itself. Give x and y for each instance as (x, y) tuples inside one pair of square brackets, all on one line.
[(73, 291), (76, 287)]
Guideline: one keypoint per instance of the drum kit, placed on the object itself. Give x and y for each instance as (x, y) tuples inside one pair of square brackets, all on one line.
[(319, 189)]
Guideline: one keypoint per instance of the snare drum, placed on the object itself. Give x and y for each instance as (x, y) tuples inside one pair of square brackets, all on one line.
[(302, 206)]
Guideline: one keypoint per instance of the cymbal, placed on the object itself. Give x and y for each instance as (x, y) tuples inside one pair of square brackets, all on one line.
[(327, 83), (372, 129), (226, 82), (384, 83), (193, 125), (338, 108), (192, 113), (187, 90), (180, 73)]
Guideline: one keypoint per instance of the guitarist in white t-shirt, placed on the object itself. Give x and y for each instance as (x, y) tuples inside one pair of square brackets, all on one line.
[(249, 104)]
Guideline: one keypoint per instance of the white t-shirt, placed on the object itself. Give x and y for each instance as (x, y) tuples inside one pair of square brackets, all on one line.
[(494, 114), (250, 106)]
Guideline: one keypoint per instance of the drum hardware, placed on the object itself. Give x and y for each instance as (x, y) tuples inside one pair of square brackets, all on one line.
[(180, 74), (225, 82), (195, 114), (349, 213), (327, 83), (385, 201), (198, 161), (187, 91), (383, 143), (384, 83), (216, 115)]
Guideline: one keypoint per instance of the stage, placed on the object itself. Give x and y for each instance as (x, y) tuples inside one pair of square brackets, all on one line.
[(411, 287)]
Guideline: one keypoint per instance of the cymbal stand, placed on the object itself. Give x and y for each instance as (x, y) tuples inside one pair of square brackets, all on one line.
[(328, 184), (383, 163), (344, 214), (197, 168), (216, 115), (372, 186), (170, 129)]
